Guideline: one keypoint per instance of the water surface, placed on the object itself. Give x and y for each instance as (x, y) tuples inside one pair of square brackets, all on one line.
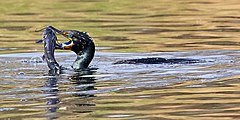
[(198, 29), (169, 91), (127, 26)]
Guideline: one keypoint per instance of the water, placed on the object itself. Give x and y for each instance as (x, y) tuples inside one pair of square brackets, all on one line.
[(169, 91), (196, 29)]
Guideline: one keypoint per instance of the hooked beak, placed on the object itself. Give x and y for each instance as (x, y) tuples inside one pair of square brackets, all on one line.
[(67, 35), (67, 45)]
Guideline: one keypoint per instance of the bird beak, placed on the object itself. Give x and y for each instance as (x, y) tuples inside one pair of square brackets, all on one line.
[(67, 35), (67, 45)]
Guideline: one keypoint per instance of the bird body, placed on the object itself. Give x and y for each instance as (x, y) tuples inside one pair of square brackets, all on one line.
[(80, 43)]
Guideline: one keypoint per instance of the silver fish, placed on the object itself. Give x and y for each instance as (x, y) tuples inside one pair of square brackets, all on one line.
[(49, 39)]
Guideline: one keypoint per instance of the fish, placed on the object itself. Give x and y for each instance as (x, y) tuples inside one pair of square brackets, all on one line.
[(49, 40)]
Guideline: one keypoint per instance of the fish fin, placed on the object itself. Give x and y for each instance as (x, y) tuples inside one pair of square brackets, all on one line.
[(39, 41)]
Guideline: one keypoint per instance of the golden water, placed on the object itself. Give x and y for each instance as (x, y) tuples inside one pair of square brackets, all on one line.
[(201, 28), (129, 25)]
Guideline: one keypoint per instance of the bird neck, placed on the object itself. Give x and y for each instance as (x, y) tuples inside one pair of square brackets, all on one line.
[(84, 57)]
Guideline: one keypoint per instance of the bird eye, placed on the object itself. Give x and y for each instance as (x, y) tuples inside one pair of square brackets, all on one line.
[(70, 35)]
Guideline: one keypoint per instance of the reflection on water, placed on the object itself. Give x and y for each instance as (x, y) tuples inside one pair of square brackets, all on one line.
[(207, 90), (80, 83), (207, 30), (51, 90)]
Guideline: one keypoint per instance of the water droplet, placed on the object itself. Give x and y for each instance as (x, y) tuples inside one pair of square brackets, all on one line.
[(36, 60), (24, 61), (21, 73), (23, 100)]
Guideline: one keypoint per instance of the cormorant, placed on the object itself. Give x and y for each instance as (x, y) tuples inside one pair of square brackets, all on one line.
[(80, 43)]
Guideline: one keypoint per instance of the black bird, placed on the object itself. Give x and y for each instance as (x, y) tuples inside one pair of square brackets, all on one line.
[(80, 43)]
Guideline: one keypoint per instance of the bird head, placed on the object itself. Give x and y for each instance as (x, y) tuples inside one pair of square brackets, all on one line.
[(78, 41)]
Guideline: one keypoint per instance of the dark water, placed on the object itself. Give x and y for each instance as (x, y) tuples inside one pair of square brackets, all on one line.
[(198, 29)]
